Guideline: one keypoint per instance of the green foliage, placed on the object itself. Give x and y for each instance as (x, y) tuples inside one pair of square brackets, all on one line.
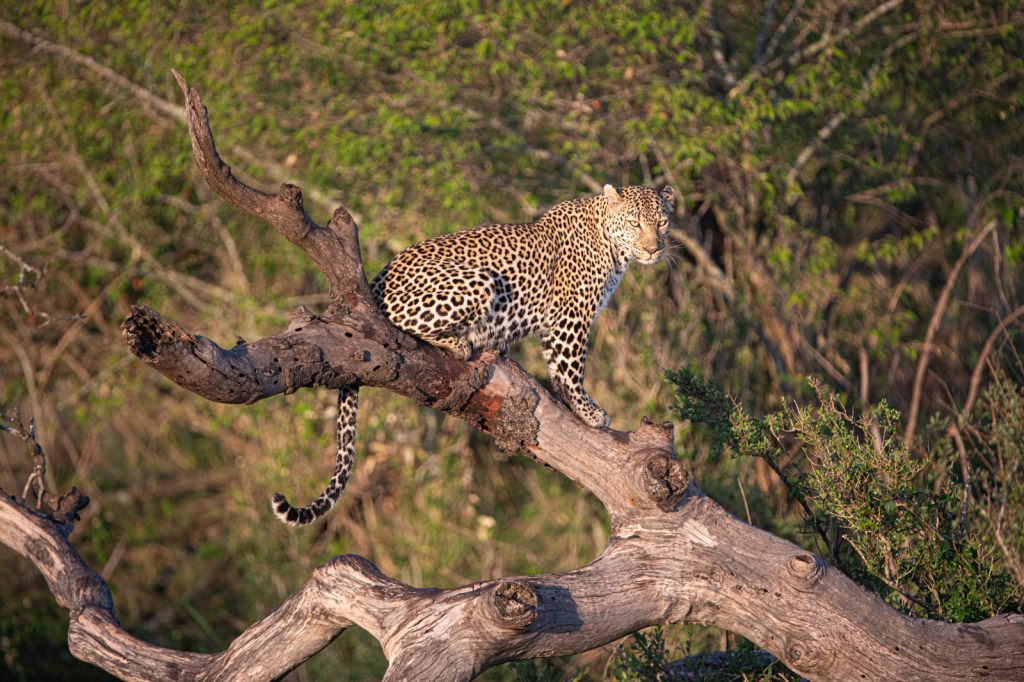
[(870, 501), (642, 658), (427, 117), (701, 402), (543, 670), (646, 658)]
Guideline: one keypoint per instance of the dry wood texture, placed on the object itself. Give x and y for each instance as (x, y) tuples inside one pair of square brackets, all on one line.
[(674, 555)]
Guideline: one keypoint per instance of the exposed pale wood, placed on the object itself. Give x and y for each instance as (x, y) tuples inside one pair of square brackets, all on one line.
[(674, 555)]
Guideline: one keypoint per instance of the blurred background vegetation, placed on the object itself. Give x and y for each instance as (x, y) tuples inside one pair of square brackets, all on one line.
[(850, 176)]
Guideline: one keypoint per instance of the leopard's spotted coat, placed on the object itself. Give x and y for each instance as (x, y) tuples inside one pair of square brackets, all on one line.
[(494, 285)]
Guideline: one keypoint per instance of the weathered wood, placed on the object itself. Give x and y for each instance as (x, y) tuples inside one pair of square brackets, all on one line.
[(334, 249), (696, 564), (673, 556)]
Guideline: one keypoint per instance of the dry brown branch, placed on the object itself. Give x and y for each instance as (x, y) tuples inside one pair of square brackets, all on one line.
[(18, 288), (150, 101), (933, 327), (717, 45), (979, 366), (714, 274), (147, 98), (673, 555), (822, 360)]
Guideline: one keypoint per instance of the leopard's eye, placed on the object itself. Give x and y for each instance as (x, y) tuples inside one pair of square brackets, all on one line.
[(633, 222)]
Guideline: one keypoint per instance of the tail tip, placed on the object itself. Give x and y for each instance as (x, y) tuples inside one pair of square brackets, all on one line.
[(284, 511), (292, 516)]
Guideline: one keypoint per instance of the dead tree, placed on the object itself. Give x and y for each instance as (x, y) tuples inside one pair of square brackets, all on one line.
[(673, 556)]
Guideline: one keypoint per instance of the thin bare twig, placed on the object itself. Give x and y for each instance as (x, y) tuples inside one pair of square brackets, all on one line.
[(965, 466), (36, 481), (769, 15), (830, 40), (744, 495), (151, 102), (979, 366), (758, 66), (826, 41), (824, 362), (717, 47), (19, 287), (933, 328)]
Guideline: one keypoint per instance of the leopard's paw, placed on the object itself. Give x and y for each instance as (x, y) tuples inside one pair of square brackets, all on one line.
[(459, 349), (594, 416), (500, 351)]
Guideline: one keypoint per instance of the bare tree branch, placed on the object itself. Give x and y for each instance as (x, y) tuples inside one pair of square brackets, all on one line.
[(153, 102), (769, 16), (698, 566), (19, 287), (933, 327), (979, 366), (717, 45), (826, 41), (147, 98)]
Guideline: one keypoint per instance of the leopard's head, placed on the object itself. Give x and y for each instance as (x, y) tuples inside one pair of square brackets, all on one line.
[(637, 220)]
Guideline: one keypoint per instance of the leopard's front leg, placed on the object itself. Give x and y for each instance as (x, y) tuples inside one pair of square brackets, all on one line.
[(565, 350)]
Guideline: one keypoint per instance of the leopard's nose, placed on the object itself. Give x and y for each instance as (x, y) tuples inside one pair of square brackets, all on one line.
[(652, 249)]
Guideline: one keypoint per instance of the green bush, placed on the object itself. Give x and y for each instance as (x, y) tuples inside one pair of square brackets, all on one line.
[(893, 522)]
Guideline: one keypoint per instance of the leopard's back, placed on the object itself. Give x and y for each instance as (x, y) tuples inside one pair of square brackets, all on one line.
[(426, 287)]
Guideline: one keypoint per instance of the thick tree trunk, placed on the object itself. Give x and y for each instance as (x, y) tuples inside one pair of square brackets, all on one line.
[(674, 556)]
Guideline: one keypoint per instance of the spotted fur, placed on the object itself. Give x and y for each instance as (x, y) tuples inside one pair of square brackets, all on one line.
[(348, 407), (492, 286)]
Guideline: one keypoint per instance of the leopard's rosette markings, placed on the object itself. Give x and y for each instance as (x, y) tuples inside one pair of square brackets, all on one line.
[(492, 286)]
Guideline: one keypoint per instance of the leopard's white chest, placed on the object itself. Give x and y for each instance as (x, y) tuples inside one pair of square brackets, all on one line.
[(610, 285)]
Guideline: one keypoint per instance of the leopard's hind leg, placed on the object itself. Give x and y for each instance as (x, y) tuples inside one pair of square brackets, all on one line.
[(445, 302), (348, 408)]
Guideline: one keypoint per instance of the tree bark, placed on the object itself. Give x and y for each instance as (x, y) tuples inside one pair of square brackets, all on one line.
[(673, 556)]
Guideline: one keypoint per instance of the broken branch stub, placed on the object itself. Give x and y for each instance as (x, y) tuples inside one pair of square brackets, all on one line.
[(334, 249)]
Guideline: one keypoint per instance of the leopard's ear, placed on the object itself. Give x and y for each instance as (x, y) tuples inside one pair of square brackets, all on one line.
[(614, 200), (669, 195)]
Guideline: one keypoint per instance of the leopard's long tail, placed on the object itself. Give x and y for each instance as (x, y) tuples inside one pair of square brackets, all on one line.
[(348, 408)]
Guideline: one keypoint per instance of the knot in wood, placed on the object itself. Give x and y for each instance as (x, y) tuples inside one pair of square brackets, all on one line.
[(291, 195), (663, 433), (807, 569), (664, 480), (302, 313), (810, 660), (516, 603), (516, 425)]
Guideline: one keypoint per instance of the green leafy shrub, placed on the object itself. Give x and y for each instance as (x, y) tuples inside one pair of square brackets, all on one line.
[(530, 670), (891, 521), (646, 658)]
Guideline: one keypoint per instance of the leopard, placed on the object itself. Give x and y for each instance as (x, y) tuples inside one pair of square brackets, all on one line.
[(491, 286)]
